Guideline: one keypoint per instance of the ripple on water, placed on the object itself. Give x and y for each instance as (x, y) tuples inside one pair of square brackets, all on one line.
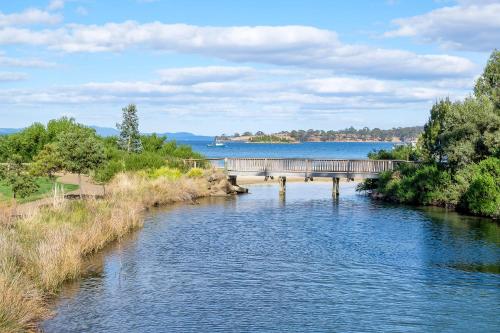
[(257, 264)]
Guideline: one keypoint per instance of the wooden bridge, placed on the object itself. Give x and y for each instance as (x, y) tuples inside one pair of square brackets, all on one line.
[(303, 168)]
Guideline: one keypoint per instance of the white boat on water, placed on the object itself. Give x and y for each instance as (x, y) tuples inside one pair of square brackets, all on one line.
[(216, 143)]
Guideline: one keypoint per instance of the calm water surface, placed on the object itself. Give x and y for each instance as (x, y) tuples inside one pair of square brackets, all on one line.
[(255, 263), (303, 150)]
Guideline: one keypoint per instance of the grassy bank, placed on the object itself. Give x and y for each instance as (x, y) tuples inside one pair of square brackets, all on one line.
[(45, 187), (38, 254)]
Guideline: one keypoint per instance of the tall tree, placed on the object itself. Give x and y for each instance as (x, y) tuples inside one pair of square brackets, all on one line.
[(488, 83), (130, 139), (432, 137), (80, 152)]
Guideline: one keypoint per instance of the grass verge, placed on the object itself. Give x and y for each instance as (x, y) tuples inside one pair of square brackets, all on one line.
[(45, 186)]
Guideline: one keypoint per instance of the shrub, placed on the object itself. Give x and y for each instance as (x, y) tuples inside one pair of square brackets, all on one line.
[(143, 161), (165, 172), (195, 173), (483, 196)]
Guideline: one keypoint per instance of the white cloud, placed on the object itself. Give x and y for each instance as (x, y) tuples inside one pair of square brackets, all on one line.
[(300, 46), (325, 93), (28, 17), (56, 5), (192, 75), (16, 62), (344, 85), (9, 76), (471, 25)]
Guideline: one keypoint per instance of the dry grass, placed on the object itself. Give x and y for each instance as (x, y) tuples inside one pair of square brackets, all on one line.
[(39, 253)]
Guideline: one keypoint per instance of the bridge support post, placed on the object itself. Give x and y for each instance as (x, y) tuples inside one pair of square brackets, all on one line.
[(282, 182), (232, 180), (335, 187)]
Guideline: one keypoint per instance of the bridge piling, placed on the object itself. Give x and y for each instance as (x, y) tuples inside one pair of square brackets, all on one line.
[(335, 187), (282, 182)]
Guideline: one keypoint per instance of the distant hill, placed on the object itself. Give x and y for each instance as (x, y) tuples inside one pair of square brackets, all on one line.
[(109, 131), (5, 131)]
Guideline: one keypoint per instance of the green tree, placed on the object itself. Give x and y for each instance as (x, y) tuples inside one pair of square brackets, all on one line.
[(80, 153), (47, 162), (130, 139), (433, 131), (15, 175), (26, 143), (153, 142), (488, 83)]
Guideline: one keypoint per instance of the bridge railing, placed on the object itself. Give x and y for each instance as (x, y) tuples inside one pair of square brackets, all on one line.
[(308, 165), (298, 165)]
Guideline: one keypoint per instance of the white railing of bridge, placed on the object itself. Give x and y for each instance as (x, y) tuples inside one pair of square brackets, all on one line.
[(298, 165)]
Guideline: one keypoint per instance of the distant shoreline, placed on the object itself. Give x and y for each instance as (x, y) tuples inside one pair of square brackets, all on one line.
[(331, 141)]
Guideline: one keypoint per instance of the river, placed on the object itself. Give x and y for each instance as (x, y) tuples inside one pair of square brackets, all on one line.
[(256, 263)]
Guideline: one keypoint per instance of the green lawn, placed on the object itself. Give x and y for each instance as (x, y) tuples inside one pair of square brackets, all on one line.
[(45, 188)]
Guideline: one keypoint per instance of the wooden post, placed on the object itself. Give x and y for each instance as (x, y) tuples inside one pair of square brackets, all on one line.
[(335, 187), (282, 182), (232, 180)]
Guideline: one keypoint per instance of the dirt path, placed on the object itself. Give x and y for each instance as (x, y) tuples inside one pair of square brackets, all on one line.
[(88, 189)]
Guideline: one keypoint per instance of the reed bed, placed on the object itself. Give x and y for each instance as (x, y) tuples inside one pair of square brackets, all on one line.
[(39, 253)]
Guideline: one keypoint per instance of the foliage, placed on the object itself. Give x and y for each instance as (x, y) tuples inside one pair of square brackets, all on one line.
[(406, 152), (153, 142), (130, 140), (483, 195), (47, 162), (15, 176), (143, 161), (163, 172), (25, 144), (431, 139), (415, 184), (79, 151), (31, 140), (107, 171), (269, 139), (195, 173), (488, 83), (461, 154), (362, 134), (44, 187)]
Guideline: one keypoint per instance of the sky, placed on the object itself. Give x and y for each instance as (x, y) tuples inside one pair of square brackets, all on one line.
[(225, 66)]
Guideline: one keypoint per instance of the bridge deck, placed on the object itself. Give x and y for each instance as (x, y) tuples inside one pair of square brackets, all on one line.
[(299, 167)]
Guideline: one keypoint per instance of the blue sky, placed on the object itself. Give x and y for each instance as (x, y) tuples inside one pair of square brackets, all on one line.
[(221, 66)]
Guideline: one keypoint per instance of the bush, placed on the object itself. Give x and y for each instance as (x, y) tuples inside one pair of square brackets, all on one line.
[(165, 172), (409, 153), (483, 196), (143, 161), (195, 173), (415, 184), (108, 170)]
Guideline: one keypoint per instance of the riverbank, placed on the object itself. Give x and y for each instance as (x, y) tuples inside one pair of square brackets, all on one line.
[(41, 252)]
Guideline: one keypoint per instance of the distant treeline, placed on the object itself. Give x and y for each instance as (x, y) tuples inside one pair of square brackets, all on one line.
[(351, 133)]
